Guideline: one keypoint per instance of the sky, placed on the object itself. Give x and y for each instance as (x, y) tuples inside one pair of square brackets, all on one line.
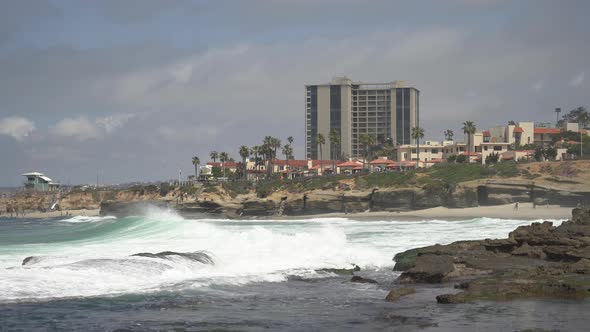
[(131, 90)]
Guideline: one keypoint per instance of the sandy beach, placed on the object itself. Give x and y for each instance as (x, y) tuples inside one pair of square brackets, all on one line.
[(525, 211), (56, 214)]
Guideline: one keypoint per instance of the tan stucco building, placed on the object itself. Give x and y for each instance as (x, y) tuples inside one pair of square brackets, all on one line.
[(386, 111)]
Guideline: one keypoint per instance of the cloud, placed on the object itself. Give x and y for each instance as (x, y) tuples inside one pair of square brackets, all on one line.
[(83, 129), (577, 80), (538, 85), (16, 127)]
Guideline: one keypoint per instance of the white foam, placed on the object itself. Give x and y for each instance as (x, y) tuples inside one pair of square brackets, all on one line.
[(81, 219), (243, 252)]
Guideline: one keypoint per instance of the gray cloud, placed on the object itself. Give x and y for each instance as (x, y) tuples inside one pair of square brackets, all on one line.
[(141, 109), (16, 127)]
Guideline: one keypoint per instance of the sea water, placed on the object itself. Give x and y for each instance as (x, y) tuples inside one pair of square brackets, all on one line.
[(266, 274)]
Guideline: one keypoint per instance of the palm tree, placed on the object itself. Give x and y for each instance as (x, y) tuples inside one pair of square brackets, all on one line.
[(196, 162), (335, 142), (290, 140), (417, 134), (468, 129), (321, 141), (244, 153), (214, 155), (367, 141), (449, 134), (288, 152), (223, 157)]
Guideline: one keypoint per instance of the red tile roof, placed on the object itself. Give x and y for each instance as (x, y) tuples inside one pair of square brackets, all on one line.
[(547, 131), (349, 164), (323, 162), (507, 157), (292, 163), (381, 162), (435, 161), (518, 130)]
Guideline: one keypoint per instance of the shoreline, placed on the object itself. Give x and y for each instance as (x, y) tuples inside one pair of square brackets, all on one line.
[(55, 214), (525, 211), (507, 211)]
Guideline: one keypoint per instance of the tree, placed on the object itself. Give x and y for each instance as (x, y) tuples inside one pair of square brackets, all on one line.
[(511, 123), (417, 134), (268, 153), (367, 141), (468, 129), (452, 158), (214, 155), (449, 134), (539, 154), (492, 158), (335, 144), (461, 159), (223, 157), (288, 152), (196, 162), (579, 115), (290, 140), (321, 141), (244, 153), (550, 153)]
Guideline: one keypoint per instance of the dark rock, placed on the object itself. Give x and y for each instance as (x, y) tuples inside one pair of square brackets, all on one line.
[(536, 261), (362, 280), (31, 260), (529, 251), (396, 293), (428, 269), (198, 256)]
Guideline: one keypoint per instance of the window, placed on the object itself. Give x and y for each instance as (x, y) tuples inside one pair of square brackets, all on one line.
[(497, 147), (434, 151)]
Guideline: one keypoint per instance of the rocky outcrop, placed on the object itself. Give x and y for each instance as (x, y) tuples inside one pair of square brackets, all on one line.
[(397, 293), (197, 256), (534, 261)]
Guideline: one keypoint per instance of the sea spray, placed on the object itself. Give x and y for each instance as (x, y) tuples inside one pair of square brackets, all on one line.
[(90, 257)]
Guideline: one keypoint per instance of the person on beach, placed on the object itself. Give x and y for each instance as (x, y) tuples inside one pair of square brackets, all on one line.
[(516, 206)]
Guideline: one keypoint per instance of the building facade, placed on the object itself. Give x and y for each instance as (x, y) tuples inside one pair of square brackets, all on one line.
[(36, 181), (385, 111)]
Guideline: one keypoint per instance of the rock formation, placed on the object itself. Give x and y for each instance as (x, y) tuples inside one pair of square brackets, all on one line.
[(539, 260)]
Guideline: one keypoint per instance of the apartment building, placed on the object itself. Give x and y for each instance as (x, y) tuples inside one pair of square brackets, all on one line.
[(385, 111)]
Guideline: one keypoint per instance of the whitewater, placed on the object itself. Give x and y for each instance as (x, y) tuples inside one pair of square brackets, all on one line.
[(91, 256)]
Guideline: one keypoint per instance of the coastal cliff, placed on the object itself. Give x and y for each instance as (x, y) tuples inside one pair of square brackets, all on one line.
[(535, 261), (452, 185)]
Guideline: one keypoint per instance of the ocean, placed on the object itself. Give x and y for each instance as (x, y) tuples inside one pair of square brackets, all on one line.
[(265, 275)]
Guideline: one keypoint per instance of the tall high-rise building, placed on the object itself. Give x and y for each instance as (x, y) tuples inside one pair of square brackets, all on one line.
[(385, 111)]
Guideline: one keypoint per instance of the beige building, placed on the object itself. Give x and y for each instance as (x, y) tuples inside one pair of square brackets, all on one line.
[(385, 111)]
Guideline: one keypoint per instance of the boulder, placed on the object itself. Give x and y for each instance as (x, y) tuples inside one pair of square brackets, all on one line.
[(428, 269), (362, 280), (396, 293)]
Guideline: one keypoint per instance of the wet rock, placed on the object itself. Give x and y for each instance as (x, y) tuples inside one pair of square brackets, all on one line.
[(31, 260), (536, 261), (396, 293), (198, 256), (428, 269), (529, 251), (362, 280)]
